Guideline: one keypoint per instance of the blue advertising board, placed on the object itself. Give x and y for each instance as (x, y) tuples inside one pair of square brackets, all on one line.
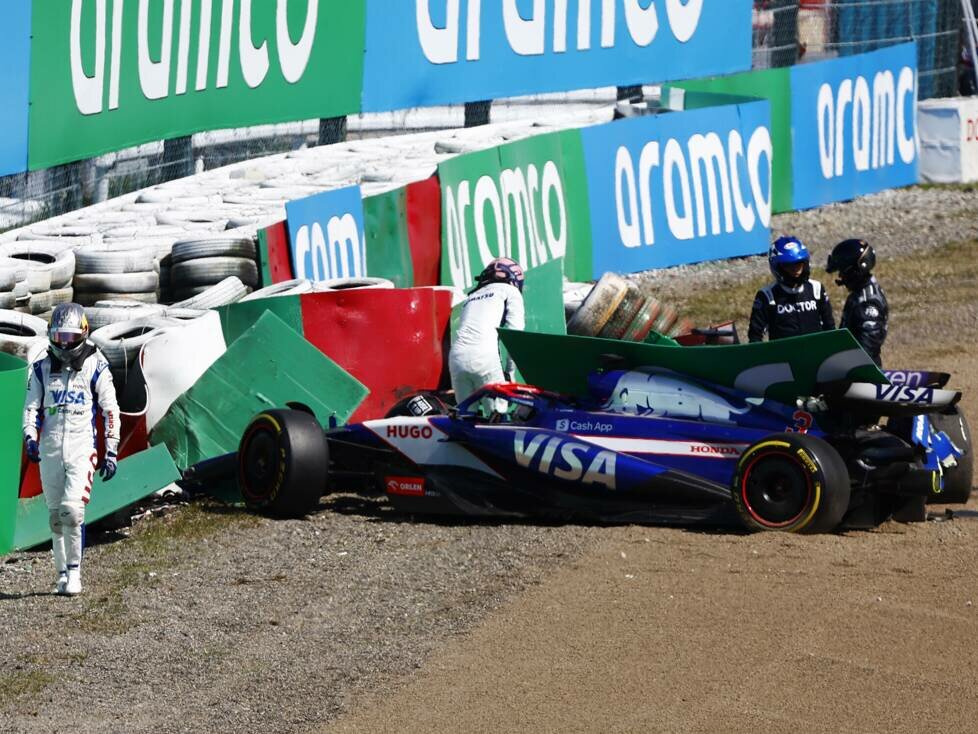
[(15, 40), (680, 187), (854, 125), (326, 235), (449, 51)]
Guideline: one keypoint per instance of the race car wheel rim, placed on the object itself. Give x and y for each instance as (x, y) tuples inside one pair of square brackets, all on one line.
[(259, 465), (776, 490)]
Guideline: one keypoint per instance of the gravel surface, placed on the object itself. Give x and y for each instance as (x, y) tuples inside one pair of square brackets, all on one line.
[(212, 620)]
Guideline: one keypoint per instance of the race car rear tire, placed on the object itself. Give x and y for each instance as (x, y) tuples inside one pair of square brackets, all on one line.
[(791, 482), (959, 479), (283, 461)]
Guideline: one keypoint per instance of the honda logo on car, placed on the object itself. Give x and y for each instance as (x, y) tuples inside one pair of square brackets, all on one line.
[(712, 449), (410, 431), (406, 486), (558, 457)]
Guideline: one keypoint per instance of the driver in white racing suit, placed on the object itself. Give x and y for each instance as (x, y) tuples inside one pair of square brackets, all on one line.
[(65, 388), (497, 300)]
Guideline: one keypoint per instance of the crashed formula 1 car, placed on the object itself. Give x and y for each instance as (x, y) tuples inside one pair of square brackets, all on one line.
[(643, 445)]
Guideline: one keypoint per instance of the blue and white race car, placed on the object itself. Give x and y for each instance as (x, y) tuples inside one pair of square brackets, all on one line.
[(644, 446)]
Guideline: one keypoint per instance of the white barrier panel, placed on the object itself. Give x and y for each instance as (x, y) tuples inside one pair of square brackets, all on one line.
[(948, 140)]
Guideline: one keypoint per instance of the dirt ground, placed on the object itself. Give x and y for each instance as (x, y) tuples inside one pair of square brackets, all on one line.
[(357, 620)]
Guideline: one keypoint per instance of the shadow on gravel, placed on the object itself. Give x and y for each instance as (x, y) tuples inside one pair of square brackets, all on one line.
[(376, 509), (4, 596)]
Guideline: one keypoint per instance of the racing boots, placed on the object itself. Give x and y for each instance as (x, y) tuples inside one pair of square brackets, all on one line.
[(62, 583), (73, 586)]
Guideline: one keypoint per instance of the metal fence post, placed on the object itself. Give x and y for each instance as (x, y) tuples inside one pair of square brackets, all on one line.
[(477, 113), (178, 158), (332, 130)]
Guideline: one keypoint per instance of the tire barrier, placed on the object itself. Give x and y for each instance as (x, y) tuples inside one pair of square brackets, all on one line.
[(229, 290), (295, 287), (22, 335), (194, 266)]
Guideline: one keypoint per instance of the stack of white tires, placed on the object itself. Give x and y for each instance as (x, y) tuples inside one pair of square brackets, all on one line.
[(104, 273), (196, 265), (35, 276)]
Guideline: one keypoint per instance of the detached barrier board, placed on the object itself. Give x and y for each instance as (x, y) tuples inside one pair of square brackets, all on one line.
[(139, 476), (268, 366), (13, 388), (948, 140), (782, 370), (390, 340)]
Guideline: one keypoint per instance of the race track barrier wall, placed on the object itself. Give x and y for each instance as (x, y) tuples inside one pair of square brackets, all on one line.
[(629, 195), (447, 51), (326, 234), (109, 74), (852, 124), (15, 45)]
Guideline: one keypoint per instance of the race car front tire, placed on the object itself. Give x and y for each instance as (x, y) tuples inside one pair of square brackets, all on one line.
[(283, 461), (791, 482)]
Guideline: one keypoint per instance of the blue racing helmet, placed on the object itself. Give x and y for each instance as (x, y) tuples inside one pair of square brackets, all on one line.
[(784, 257)]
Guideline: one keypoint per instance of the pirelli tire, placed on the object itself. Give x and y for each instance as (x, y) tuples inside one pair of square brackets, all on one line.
[(599, 306), (791, 482), (283, 461), (210, 270)]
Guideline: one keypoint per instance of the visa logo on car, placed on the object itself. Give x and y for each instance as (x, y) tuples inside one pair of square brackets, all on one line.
[(905, 394), (565, 459)]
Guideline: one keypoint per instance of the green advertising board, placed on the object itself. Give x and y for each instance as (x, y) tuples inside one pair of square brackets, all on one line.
[(388, 243), (773, 85), (110, 74), (526, 200), (13, 386)]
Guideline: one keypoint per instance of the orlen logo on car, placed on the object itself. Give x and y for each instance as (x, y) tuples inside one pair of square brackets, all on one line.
[(409, 432), (406, 486), (706, 448)]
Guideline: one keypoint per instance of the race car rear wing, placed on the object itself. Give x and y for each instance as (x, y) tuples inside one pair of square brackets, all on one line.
[(893, 400)]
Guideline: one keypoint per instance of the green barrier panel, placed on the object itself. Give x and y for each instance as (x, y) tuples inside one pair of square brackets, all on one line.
[(781, 370), (264, 260), (237, 318), (543, 296), (119, 74), (771, 84), (13, 386), (388, 244), (268, 366), (526, 200), (139, 476)]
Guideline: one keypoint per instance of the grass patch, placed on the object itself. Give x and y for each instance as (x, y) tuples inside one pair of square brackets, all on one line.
[(915, 284), (965, 187), (22, 684), (157, 545)]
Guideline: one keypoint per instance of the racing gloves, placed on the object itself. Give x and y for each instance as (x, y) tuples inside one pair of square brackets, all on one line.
[(33, 450), (108, 467)]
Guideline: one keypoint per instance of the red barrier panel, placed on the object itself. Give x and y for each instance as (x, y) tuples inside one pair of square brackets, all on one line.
[(391, 340), (279, 261), (424, 230)]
